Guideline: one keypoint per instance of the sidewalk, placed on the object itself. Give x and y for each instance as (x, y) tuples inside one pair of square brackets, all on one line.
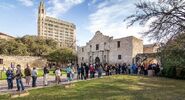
[(51, 82)]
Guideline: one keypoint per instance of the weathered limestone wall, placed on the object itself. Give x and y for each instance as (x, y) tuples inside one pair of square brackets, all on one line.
[(125, 50), (137, 47), (22, 60), (150, 48)]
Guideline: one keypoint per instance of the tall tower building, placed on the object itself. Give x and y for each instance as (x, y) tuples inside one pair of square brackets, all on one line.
[(41, 18), (62, 32)]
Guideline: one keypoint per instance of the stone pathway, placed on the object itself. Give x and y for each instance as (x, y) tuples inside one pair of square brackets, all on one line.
[(51, 82)]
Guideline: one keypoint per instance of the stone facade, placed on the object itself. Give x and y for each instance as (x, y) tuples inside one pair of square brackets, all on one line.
[(22, 60), (62, 31), (105, 49), (150, 48)]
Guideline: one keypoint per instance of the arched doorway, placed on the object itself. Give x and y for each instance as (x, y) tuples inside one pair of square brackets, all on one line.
[(97, 60)]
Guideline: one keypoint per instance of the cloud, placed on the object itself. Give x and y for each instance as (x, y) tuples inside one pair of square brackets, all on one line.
[(26, 3), (4, 5), (109, 16), (58, 7)]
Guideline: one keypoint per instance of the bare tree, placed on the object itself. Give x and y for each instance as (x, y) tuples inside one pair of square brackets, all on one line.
[(167, 18)]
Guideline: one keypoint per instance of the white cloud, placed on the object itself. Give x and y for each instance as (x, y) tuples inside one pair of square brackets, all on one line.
[(109, 16), (58, 7), (6, 5), (27, 3)]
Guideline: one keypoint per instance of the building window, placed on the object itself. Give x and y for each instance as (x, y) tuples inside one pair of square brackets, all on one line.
[(90, 46), (1, 61), (119, 57), (82, 49), (97, 46), (118, 44), (82, 58)]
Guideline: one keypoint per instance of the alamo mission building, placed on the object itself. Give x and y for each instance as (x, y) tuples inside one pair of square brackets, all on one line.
[(105, 49)]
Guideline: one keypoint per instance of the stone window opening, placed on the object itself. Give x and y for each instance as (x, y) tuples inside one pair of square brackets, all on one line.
[(97, 46), (119, 57), (1, 61), (90, 47), (118, 44), (82, 58), (82, 49)]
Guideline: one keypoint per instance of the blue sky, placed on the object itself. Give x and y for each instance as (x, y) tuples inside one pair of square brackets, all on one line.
[(19, 17)]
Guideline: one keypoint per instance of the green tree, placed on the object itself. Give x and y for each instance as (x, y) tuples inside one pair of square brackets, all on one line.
[(166, 18), (63, 55), (167, 24), (28, 45)]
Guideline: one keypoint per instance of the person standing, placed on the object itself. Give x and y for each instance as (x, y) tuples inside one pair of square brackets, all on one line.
[(86, 70), (106, 70), (45, 76), (34, 77), (27, 73), (78, 71), (129, 69), (82, 69), (134, 69), (10, 75), (99, 69), (58, 74), (18, 77), (92, 71), (69, 73)]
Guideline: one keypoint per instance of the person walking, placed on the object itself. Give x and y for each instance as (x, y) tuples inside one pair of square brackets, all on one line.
[(27, 73), (34, 77), (45, 76), (58, 74), (18, 76), (10, 75)]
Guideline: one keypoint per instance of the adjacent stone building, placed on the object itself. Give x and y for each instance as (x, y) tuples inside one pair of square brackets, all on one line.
[(105, 49), (61, 31), (150, 48), (5, 36)]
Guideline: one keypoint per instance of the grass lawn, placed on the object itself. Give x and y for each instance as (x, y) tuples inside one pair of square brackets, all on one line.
[(120, 87)]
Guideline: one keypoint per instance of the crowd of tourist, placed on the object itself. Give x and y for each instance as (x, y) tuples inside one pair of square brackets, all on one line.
[(80, 72), (84, 69)]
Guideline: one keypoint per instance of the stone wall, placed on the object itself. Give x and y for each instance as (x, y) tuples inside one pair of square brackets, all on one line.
[(22, 60), (125, 50), (151, 48), (137, 47)]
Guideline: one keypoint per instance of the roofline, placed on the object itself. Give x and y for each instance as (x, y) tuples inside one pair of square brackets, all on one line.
[(6, 35)]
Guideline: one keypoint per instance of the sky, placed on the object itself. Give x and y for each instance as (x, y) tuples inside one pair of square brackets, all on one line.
[(19, 17)]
